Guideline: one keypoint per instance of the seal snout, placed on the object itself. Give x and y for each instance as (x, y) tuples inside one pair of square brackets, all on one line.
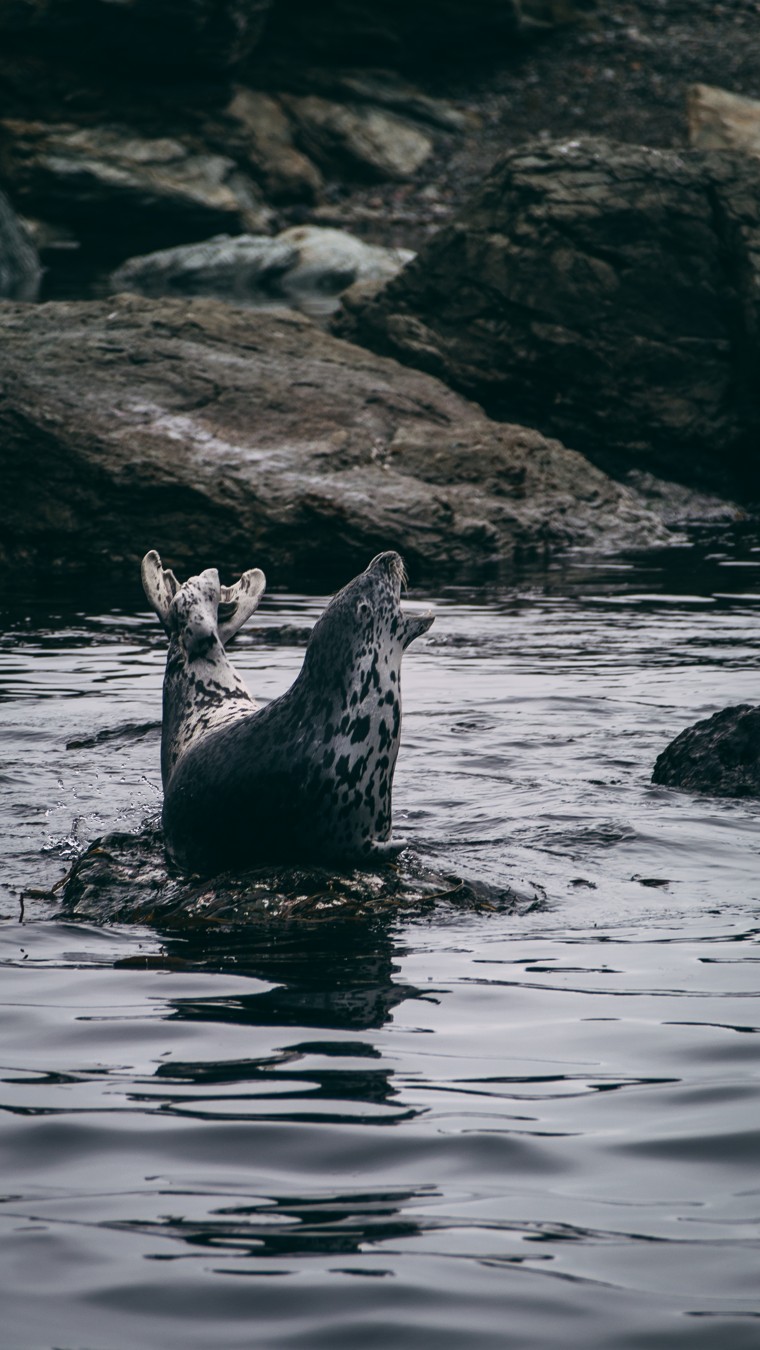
[(391, 563)]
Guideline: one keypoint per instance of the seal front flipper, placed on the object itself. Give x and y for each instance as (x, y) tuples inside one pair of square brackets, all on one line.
[(202, 690), (412, 626), (160, 586), (383, 851), (237, 603), (235, 606)]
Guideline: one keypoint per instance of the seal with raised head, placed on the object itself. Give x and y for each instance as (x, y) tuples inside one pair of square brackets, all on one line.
[(309, 777)]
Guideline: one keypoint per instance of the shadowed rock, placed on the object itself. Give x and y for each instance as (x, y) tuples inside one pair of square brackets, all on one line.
[(201, 34), (223, 434), (117, 188), (19, 265), (720, 755), (605, 293)]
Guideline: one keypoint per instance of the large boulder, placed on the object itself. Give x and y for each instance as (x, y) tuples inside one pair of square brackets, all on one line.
[(20, 270), (720, 755), (305, 267), (605, 293), (223, 436)]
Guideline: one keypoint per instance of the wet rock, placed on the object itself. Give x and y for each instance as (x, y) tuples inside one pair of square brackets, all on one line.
[(123, 878), (231, 438), (306, 267), (265, 135), (358, 140), (19, 264), (118, 189), (720, 755), (605, 293)]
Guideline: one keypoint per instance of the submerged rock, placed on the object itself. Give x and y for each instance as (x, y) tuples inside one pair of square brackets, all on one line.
[(720, 755), (227, 438), (20, 269), (124, 878), (306, 267), (605, 293)]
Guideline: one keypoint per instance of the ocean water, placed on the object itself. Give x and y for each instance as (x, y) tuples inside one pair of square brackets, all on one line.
[(529, 1127)]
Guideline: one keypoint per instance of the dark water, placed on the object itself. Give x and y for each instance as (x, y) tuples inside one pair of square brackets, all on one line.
[(497, 1129)]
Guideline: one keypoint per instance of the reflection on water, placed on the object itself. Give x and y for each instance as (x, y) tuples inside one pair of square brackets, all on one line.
[(535, 1129)]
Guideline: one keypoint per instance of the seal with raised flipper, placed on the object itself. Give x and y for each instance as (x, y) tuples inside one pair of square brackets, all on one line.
[(202, 689), (308, 777)]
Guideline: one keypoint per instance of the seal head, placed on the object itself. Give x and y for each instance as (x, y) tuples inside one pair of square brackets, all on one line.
[(308, 777)]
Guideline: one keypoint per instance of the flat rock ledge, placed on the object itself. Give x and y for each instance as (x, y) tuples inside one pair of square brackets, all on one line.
[(124, 878), (720, 755), (237, 439)]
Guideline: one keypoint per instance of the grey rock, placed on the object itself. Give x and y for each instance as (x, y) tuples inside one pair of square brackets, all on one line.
[(20, 270), (111, 184), (222, 435), (265, 136), (720, 755), (359, 140), (608, 294), (305, 267), (380, 88)]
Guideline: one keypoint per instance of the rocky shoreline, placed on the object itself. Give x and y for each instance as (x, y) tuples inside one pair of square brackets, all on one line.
[(597, 297)]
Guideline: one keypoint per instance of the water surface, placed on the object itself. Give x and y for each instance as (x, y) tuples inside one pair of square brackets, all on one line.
[(531, 1128)]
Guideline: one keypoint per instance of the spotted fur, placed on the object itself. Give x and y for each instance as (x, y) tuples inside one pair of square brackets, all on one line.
[(308, 777), (202, 690)]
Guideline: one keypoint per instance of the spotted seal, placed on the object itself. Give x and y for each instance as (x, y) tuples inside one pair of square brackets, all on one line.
[(308, 777)]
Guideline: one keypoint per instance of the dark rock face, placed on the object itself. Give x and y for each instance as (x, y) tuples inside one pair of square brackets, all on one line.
[(205, 34), (394, 33), (720, 755), (232, 438), (19, 264), (605, 293)]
